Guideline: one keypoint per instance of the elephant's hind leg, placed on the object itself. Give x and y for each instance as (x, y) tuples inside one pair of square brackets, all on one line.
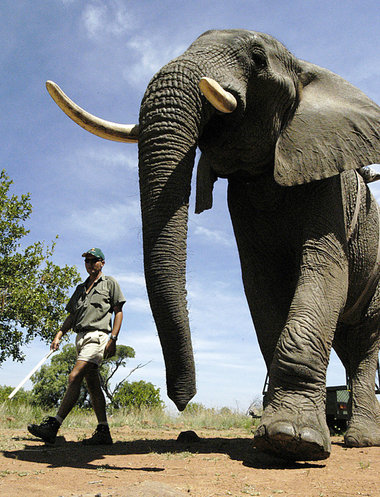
[(358, 348), (364, 427)]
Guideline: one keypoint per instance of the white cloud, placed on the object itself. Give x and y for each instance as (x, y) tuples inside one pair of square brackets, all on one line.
[(101, 19), (108, 171), (92, 17), (214, 236), (106, 223), (219, 310), (139, 304), (132, 280), (106, 158), (151, 56)]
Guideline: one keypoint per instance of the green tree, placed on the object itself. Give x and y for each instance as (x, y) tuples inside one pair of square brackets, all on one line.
[(137, 394), (193, 409), (111, 365), (50, 381), (33, 290), (21, 397)]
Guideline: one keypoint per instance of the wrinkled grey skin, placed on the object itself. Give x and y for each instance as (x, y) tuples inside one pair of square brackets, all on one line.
[(289, 152)]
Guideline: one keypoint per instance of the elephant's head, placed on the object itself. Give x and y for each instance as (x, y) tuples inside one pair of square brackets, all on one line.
[(251, 107)]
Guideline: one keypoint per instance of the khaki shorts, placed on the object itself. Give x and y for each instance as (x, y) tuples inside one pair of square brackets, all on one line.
[(90, 346)]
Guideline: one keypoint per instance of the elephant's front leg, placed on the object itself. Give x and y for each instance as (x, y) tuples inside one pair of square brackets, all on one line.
[(293, 424)]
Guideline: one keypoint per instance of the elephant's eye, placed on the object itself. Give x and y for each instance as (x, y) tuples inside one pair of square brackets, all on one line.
[(259, 60)]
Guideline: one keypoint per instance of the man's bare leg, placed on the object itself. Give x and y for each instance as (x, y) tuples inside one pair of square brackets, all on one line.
[(98, 400), (102, 435), (71, 396), (47, 430)]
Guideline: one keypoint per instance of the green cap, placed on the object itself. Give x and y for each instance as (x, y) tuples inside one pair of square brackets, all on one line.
[(96, 252)]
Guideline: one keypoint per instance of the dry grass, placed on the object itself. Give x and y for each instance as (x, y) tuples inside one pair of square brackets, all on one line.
[(18, 415)]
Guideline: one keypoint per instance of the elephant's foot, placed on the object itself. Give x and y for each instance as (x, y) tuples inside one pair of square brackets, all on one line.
[(299, 436), (363, 433), (364, 426)]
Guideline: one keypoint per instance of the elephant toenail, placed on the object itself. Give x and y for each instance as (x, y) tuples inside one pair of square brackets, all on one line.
[(307, 434), (260, 432), (351, 441), (280, 429)]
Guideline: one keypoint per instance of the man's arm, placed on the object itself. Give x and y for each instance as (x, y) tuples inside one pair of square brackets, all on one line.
[(110, 349), (66, 326)]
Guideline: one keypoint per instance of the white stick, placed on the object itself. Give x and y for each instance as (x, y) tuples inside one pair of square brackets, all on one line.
[(31, 373)]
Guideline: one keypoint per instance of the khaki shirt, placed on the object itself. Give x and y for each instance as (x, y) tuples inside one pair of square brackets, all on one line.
[(93, 310)]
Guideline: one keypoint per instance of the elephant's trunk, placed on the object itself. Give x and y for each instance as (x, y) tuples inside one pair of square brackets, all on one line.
[(170, 119)]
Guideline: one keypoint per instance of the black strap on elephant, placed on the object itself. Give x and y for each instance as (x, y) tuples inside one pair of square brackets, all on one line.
[(354, 220), (368, 176)]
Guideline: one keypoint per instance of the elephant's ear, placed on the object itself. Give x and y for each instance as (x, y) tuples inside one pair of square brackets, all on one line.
[(205, 185), (335, 127)]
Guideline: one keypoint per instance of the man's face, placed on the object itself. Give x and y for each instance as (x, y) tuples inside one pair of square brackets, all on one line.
[(93, 265)]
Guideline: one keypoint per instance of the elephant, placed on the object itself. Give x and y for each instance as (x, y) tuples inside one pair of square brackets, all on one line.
[(294, 141)]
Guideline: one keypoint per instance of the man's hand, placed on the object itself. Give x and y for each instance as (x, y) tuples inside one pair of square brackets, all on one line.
[(110, 349), (55, 343), (64, 328)]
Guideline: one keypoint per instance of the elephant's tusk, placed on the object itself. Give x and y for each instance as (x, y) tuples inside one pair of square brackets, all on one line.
[(105, 129), (219, 98)]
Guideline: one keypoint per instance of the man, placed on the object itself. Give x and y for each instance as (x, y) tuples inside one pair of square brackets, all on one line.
[(90, 312)]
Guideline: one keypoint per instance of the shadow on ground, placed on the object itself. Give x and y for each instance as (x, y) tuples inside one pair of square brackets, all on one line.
[(75, 455)]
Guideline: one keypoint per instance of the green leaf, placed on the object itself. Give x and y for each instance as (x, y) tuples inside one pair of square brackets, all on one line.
[(33, 290)]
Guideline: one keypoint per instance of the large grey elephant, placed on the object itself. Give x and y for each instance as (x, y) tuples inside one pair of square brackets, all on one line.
[(290, 137)]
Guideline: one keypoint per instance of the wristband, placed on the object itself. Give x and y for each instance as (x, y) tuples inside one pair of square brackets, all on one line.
[(113, 337)]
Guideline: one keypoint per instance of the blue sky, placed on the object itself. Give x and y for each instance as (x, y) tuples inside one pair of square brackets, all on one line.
[(85, 189)]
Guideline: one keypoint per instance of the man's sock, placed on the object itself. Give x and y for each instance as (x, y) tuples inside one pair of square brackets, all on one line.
[(59, 419)]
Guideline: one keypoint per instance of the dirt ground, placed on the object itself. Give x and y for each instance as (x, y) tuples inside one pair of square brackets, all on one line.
[(152, 462)]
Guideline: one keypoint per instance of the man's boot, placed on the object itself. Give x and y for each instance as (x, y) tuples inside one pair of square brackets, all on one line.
[(47, 430), (101, 436)]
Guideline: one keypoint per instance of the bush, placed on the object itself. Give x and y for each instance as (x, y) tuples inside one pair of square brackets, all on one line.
[(137, 394), (50, 381), (21, 397), (193, 408)]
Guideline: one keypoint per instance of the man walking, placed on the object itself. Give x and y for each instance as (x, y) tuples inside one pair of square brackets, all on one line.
[(90, 314)]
